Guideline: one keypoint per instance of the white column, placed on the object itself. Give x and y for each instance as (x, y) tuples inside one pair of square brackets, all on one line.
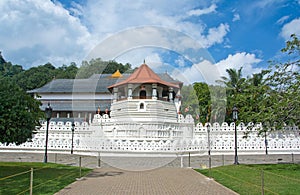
[(90, 118), (129, 91), (115, 94), (154, 91), (181, 161), (171, 94), (57, 115)]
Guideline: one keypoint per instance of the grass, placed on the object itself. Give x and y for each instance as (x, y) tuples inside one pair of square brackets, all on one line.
[(247, 179), (47, 178)]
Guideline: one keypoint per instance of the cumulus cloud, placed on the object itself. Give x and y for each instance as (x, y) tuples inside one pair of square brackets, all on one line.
[(215, 35), (292, 27), (208, 72), (35, 32), (109, 18), (137, 56), (243, 59), (204, 71)]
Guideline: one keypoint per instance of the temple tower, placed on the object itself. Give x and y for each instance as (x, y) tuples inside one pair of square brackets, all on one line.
[(144, 97)]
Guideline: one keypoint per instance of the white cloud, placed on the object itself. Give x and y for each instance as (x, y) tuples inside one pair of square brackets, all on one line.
[(245, 60), (292, 27), (282, 19), (180, 61), (236, 17), (76, 9), (109, 18), (204, 71), (137, 56), (215, 35), (34, 32), (208, 72), (199, 12)]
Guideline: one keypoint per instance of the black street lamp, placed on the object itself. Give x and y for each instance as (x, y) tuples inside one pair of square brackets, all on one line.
[(208, 144), (73, 128), (48, 113), (235, 118)]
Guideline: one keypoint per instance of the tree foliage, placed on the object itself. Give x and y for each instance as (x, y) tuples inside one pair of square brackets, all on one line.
[(285, 84), (271, 97), (7, 69), (98, 66), (190, 104), (35, 77), (19, 113)]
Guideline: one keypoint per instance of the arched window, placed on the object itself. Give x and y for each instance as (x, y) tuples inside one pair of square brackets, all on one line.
[(142, 106), (143, 94)]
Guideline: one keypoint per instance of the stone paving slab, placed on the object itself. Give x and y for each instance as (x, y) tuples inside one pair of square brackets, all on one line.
[(166, 181)]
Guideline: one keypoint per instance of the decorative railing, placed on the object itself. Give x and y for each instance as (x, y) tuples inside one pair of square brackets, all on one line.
[(90, 138), (143, 98)]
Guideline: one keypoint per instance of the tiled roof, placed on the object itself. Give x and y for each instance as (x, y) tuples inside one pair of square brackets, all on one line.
[(144, 75), (77, 85), (97, 83)]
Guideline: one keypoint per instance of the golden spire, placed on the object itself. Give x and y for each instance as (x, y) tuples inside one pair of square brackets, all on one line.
[(117, 74)]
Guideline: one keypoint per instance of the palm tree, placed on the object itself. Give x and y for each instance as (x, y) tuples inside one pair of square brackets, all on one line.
[(235, 80)]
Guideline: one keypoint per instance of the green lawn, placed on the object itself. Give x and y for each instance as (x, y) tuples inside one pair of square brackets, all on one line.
[(247, 179), (47, 178)]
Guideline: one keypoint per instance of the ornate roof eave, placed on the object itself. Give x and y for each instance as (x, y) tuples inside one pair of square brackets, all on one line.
[(143, 75)]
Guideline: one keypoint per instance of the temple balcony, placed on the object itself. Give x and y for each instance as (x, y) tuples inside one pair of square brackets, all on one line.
[(143, 98)]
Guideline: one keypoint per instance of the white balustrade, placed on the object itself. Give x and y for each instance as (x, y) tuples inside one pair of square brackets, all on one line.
[(103, 134)]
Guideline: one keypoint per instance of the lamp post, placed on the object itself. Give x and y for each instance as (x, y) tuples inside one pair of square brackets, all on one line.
[(208, 144), (48, 113), (235, 117), (73, 128)]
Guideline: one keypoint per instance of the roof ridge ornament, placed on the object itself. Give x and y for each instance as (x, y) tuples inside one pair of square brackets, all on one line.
[(116, 74)]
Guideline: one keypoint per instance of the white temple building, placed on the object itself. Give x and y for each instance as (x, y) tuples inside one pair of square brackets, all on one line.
[(141, 116)]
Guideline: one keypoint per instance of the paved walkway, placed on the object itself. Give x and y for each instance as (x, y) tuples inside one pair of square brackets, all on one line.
[(164, 181)]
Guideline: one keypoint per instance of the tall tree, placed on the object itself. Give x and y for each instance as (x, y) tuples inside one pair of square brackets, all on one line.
[(235, 85), (285, 82), (235, 81), (19, 113)]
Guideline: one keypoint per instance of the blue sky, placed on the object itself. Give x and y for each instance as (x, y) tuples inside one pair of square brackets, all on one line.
[(183, 33)]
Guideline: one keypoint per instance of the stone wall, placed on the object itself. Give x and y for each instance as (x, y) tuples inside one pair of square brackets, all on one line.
[(97, 137)]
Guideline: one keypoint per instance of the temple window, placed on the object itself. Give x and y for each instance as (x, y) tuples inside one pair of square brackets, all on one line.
[(142, 106)]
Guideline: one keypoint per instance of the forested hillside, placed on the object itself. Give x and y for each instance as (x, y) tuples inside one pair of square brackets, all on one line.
[(36, 77)]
